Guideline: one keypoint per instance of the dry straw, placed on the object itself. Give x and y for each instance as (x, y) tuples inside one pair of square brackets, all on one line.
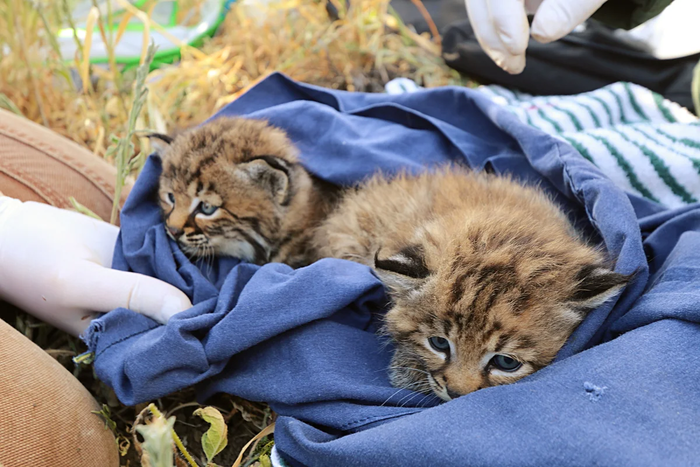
[(366, 46)]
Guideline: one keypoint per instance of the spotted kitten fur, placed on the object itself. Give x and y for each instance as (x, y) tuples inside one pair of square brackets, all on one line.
[(487, 278), (234, 187)]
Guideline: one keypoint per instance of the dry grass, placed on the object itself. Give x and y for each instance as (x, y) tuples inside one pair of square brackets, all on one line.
[(360, 50)]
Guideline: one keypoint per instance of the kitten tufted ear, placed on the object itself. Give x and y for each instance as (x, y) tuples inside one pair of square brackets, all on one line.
[(272, 173), (159, 141), (404, 270), (597, 284)]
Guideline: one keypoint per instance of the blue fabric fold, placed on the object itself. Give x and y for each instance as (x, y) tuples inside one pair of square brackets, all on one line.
[(623, 390)]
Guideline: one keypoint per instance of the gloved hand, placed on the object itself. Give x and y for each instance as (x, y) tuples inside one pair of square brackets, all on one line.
[(502, 29), (55, 265)]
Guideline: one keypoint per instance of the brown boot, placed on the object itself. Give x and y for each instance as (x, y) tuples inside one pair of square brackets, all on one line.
[(45, 413)]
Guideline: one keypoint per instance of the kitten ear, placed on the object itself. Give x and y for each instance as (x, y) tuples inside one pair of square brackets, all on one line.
[(596, 285), (159, 141), (404, 270), (272, 173)]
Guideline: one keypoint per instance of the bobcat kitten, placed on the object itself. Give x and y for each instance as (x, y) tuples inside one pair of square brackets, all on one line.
[(234, 187), (487, 278)]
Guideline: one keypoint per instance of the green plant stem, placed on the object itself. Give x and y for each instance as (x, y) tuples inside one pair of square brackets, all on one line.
[(6, 102), (69, 18), (49, 32), (124, 147), (83, 209), (178, 442), (64, 71), (109, 46), (117, 195), (30, 70), (110, 22)]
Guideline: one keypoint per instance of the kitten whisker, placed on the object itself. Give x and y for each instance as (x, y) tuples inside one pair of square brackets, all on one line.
[(416, 393), (426, 398), (208, 255), (403, 388), (408, 368), (392, 395)]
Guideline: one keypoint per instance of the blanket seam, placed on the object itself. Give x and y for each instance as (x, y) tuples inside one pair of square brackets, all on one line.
[(377, 418), (111, 344)]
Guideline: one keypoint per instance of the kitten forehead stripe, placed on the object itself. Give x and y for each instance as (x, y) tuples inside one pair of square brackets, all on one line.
[(458, 287), (447, 326), (525, 342), (503, 340), (496, 326), (202, 165)]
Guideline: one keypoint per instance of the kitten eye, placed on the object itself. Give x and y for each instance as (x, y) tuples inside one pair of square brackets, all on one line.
[(440, 344), (171, 198), (208, 209), (505, 363)]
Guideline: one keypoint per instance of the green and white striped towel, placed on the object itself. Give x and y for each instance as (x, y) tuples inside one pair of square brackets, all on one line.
[(645, 144)]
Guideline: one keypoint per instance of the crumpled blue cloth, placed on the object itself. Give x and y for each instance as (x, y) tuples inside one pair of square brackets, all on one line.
[(625, 390)]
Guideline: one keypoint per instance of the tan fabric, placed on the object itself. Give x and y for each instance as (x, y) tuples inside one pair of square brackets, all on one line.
[(37, 164), (45, 413)]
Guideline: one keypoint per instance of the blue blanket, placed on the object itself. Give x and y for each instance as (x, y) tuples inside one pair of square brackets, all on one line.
[(625, 390)]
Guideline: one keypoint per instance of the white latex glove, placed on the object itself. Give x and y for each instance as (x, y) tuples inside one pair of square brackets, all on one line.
[(502, 29), (55, 265)]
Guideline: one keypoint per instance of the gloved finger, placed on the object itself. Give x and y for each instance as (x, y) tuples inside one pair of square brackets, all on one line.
[(101, 237), (96, 288), (531, 6), (511, 25), (557, 18), (489, 39)]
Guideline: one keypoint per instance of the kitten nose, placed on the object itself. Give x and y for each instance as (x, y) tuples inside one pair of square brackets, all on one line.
[(452, 394), (174, 231)]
